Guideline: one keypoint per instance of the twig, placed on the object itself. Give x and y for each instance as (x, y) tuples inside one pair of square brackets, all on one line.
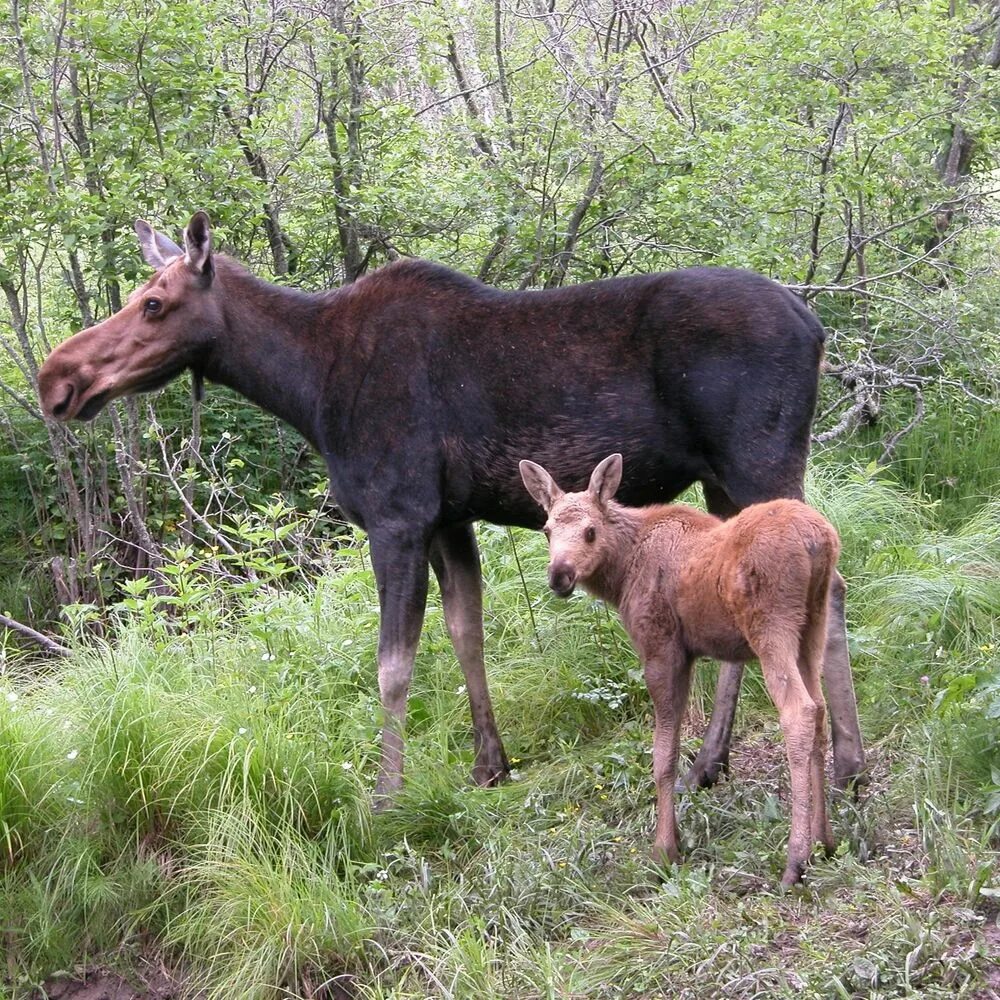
[(50, 645)]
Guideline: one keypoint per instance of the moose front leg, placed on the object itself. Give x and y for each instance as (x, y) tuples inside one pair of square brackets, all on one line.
[(400, 565), (455, 559)]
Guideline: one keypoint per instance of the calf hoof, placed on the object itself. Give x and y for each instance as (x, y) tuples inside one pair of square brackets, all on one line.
[(665, 857), (793, 874)]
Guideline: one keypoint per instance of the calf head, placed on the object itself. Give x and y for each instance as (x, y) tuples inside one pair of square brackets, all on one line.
[(167, 325), (577, 522)]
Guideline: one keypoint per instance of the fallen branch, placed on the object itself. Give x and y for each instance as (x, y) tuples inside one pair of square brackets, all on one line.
[(49, 645)]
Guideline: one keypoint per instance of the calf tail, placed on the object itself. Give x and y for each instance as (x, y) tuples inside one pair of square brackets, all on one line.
[(824, 554)]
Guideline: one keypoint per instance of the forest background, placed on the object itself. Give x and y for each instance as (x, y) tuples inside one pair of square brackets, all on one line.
[(847, 148)]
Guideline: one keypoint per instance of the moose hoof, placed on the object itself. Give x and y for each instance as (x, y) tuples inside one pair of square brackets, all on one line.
[(849, 781), (490, 775), (386, 790), (703, 774)]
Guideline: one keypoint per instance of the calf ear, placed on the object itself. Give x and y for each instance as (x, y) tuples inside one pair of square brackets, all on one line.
[(540, 484), (606, 478), (156, 248), (198, 245)]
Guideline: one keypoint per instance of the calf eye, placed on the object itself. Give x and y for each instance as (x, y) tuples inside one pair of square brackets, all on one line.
[(589, 535), (152, 306)]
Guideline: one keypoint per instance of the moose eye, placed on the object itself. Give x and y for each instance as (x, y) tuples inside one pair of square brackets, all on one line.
[(152, 306), (589, 535)]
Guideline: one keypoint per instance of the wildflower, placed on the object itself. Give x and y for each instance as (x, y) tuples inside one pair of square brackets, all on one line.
[(73, 754), (243, 730), (460, 689), (252, 689), (11, 697), (268, 657), (346, 765), (925, 680)]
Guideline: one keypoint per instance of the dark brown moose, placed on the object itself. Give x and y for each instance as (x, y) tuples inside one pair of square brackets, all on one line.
[(422, 388), (688, 584)]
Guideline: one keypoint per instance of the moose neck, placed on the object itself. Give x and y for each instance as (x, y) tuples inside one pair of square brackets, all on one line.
[(272, 351), (622, 528)]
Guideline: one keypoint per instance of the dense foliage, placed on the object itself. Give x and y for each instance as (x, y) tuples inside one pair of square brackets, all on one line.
[(847, 149)]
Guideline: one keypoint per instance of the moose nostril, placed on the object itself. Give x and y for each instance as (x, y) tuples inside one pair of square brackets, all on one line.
[(61, 407)]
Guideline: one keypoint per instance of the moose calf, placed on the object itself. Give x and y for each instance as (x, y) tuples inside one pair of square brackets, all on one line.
[(688, 584)]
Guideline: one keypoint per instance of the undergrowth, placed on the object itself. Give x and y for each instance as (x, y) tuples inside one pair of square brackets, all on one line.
[(200, 789)]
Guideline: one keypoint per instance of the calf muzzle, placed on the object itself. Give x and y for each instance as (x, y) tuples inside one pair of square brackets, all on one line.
[(562, 579)]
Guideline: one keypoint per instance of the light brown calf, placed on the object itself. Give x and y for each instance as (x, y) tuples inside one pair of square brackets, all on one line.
[(686, 585)]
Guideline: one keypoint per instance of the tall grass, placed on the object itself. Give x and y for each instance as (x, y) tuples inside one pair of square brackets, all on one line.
[(203, 793)]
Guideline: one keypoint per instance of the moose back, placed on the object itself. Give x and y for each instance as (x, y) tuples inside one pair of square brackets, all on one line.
[(422, 388)]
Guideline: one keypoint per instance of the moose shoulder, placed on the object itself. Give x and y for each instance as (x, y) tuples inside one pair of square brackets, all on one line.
[(422, 388)]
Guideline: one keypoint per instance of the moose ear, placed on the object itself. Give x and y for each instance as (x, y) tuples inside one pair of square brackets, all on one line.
[(540, 484), (198, 245), (606, 478), (156, 248)]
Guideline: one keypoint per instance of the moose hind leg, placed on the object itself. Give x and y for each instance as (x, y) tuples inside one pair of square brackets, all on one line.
[(712, 760), (848, 750), (455, 559), (400, 565)]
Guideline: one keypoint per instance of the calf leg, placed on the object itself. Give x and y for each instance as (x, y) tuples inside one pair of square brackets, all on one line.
[(848, 750), (811, 668), (668, 679), (455, 559), (400, 565), (798, 714), (820, 831)]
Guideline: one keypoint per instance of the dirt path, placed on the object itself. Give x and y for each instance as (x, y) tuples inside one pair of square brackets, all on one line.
[(101, 984)]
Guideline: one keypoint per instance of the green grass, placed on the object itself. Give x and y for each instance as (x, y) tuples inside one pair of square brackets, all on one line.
[(198, 789)]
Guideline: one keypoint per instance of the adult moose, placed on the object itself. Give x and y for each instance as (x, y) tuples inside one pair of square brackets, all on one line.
[(422, 388)]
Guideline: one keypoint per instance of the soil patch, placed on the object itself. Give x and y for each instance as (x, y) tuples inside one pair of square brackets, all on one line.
[(101, 984)]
